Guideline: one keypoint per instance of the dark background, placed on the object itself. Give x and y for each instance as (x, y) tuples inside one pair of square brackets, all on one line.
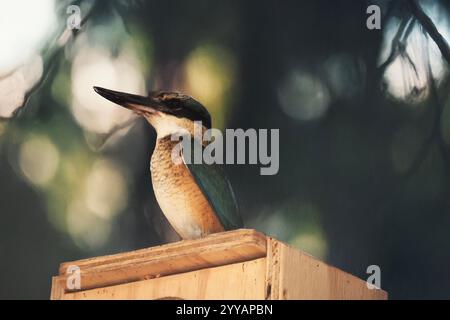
[(364, 148)]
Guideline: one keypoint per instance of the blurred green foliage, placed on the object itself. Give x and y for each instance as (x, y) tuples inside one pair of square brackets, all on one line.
[(364, 168)]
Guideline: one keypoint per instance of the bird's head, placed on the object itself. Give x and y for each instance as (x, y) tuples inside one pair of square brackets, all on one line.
[(167, 112)]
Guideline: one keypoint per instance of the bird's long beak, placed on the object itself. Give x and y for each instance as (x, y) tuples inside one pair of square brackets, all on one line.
[(137, 103)]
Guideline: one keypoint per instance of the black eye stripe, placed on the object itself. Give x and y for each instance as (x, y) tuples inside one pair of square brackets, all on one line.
[(183, 106), (205, 119)]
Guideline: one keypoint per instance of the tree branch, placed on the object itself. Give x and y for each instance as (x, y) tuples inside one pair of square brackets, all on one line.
[(48, 62), (431, 29), (398, 42)]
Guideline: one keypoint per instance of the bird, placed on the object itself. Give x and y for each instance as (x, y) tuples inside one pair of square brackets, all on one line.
[(197, 199)]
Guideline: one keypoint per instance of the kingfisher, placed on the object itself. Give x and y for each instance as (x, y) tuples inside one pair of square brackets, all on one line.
[(197, 199)]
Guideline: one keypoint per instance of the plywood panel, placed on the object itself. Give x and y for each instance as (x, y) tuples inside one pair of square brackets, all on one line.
[(302, 276), (240, 264), (214, 250), (236, 281)]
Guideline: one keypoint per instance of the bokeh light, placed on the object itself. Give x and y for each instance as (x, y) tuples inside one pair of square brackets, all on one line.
[(344, 75), (106, 192), (295, 222), (69, 184), (88, 230), (312, 242), (209, 73), (39, 160), (309, 234), (303, 96), (95, 66)]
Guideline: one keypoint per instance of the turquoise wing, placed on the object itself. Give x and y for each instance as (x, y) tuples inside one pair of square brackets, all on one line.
[(217, 189)]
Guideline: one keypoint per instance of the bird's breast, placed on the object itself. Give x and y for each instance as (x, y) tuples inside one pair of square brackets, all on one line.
[(179, 196)]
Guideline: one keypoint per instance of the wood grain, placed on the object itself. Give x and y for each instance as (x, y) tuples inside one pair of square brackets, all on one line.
[(304, 277), (214, 250), (235, 281), (240, 264)]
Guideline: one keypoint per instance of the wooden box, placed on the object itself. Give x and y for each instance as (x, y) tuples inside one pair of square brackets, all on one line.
[(240, 264)]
